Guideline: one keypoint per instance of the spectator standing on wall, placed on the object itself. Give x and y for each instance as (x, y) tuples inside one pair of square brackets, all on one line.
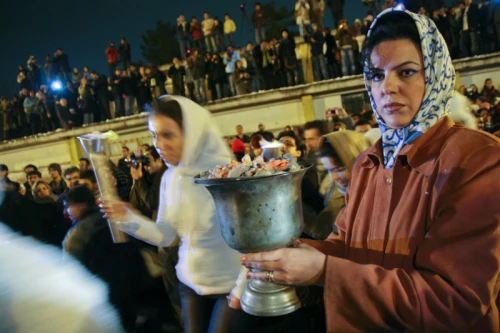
[(288, 58), (100, 84), (207, 26), (317, 12), (48, 68), (258, 23), (469, 24), (486, 28), (117, 93), (35, 73), (196, 34), (196, 64), (176, 73), (243, 79), (183, 35), (317, 41), (302, 17), (229, 29), (76, 77), (87, 101), (252, 67), (332, 54), (127, 90), (218, 32), (230, 59), (337, 8), (143, 90), (220, 76), (372, 6), (345, 40), (61, 63), (125, 54), (112, 54)]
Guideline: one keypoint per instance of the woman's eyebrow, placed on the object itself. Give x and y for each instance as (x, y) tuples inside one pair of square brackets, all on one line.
[(375, 69)]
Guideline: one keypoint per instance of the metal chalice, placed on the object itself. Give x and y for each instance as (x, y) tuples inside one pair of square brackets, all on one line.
[(261, 214)]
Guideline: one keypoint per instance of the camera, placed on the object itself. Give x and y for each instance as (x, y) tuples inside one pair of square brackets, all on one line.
[(134, 161)]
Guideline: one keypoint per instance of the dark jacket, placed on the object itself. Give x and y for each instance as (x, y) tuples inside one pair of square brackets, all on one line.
[(60, 189), (124, 52), (101, 87), (344, 36), (115, 85), (317, 44), (127, 86), (183, 30), (197, 66), (331, 49), (287, 53), (177, 75), (257, 21), (121, 266), (61, 62), (336, 5), (220, 76), (145, 194), (64, 116), (472, 17)]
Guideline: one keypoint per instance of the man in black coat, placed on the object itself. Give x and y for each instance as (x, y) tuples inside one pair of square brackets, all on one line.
[(337, 8), (125, 55), (469, 33), (177, 72), (317, 40), (61, 63), (288, 58), (102, 95)]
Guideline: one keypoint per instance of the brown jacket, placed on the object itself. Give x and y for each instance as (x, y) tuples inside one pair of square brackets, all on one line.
[(418, 246)]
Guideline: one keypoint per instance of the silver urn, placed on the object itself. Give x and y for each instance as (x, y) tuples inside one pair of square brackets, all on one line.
[(261, 214)]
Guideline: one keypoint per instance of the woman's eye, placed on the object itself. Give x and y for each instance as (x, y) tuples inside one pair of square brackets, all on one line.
[(408, 72), (377, 77)]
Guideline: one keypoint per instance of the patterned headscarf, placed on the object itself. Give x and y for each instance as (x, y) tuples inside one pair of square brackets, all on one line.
[(439, 85)]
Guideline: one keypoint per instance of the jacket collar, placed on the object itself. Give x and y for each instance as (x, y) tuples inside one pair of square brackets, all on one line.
[(420, 154)]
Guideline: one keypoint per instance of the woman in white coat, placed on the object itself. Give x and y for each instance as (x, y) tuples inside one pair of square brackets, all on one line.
[(210, 273)]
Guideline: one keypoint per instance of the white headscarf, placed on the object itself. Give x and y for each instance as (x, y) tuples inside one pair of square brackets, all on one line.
[(439, 85), (203, 149)]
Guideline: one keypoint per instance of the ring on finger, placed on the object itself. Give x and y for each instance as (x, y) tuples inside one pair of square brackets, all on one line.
[(270, 277)]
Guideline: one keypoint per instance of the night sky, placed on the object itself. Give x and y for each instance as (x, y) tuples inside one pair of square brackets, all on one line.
[(83, 28)]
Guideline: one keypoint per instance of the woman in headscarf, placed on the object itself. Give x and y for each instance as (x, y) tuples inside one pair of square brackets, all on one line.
[(338, 151), (208, 270), (418, 243)]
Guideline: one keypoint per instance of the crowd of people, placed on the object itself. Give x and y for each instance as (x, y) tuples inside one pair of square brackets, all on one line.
[(399, 208), (211, 68)]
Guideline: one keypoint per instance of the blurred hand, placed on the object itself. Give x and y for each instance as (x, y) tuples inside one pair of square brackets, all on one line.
[(341, 112), (114, 210), (233, 302), (72, 111), (136, 173)]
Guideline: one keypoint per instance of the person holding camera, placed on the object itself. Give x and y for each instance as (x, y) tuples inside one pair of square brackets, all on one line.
[(230, 60), (346, 39), (243, 79), (302, 16)]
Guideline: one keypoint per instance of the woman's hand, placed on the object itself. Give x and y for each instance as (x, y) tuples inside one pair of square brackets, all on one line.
[(114, 210), (301, 265), (233, 302)]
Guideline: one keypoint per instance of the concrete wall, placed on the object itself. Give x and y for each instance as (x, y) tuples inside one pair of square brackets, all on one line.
[(275, 109)]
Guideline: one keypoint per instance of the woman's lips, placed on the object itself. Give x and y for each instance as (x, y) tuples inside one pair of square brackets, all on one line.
[(393, 107)]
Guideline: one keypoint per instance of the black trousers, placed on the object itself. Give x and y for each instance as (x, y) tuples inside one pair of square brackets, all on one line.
[(211, 314)]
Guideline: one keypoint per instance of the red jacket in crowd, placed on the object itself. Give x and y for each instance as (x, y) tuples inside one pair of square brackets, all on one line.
[(196, 30), (112, 54)]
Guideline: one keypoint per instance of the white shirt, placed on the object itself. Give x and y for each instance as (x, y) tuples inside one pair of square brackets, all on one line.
[(465, 26)]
